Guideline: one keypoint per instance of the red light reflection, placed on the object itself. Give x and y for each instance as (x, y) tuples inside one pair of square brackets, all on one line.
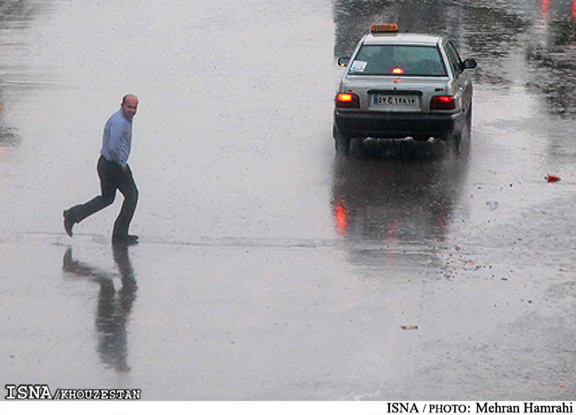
[(341, 219)]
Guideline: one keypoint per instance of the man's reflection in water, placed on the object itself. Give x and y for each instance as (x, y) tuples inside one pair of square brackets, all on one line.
[(114, 306)]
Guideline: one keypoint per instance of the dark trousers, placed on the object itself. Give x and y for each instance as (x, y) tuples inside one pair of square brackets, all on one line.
[(112, 178)]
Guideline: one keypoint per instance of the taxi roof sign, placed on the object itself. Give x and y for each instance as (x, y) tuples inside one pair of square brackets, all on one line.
[(385, 28)]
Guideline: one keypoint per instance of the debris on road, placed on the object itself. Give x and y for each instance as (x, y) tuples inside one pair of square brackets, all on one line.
[(409, 327)]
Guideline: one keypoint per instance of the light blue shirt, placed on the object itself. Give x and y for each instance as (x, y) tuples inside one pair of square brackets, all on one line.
[(117, 138)]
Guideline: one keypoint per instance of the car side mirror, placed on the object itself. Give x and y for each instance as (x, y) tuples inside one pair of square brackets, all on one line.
[(470, 64), (343, 61)]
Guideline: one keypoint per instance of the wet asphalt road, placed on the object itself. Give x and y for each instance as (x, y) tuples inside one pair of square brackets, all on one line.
[(268, 269)]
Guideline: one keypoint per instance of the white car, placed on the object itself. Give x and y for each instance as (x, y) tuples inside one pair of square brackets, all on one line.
[(399, 85)]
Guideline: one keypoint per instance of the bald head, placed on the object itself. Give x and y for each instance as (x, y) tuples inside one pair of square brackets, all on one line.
[(129, 105)]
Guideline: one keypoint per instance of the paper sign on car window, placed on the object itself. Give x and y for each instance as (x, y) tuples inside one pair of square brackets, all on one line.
[(358, 66)]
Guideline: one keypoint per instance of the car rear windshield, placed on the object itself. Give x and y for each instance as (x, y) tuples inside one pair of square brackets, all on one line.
[(398, 60)]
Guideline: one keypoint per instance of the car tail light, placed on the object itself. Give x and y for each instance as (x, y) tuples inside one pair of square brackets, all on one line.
[(347, 100), (443, 102)]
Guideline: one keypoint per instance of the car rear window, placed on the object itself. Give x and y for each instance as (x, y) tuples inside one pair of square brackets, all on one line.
[(398, 60)]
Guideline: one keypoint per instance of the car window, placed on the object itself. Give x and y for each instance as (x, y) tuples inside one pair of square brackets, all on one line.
[(454, 58), (398, 60)]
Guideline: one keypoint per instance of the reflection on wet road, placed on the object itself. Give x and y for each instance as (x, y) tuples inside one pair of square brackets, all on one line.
[(114, 306), (397, 198), (269, 269)]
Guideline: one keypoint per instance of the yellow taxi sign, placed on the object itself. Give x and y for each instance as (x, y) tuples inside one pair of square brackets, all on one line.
[(385, 28)]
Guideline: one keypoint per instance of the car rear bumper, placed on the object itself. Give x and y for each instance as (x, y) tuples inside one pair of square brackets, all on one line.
[(395, 125)]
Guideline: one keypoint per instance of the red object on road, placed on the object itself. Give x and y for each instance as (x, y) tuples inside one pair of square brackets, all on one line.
[(552, 179)]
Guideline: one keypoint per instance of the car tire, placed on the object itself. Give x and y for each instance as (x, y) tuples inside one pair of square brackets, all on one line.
[(453, 142), (456, 143), (461, 145), (341, 142)]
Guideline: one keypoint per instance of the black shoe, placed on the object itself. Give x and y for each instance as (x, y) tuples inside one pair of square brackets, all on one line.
[(68, 221), (125, 239)]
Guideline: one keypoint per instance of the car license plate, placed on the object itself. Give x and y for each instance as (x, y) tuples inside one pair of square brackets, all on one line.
[(395, 100)]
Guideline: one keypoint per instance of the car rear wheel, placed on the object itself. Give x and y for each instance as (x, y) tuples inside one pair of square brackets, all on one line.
[(342, 143), (458, 142), (461, 138), (453, 141)]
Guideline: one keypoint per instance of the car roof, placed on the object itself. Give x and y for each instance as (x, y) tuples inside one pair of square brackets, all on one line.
[(401, 39)]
